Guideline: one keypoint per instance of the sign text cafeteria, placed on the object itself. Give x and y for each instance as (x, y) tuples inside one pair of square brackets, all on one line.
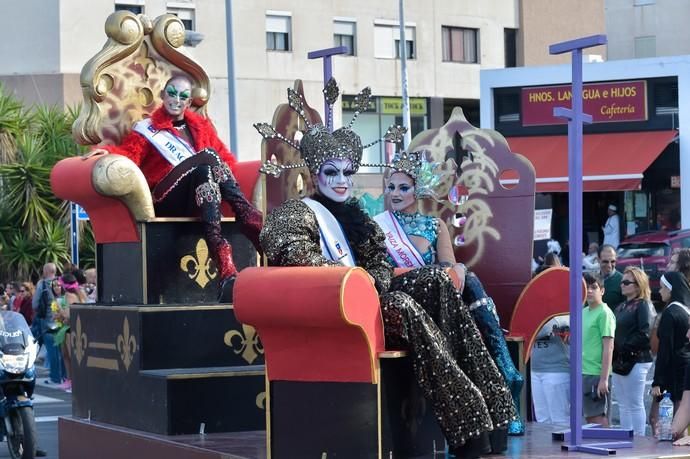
[(606, 102)]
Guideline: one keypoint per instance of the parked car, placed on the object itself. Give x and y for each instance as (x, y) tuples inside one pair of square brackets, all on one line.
[(651, 251)]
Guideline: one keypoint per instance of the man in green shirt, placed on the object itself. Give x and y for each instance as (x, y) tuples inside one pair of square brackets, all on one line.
[(612, 278), (598, 330)]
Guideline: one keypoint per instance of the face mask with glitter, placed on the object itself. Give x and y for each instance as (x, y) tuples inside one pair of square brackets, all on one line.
[(334, 179)]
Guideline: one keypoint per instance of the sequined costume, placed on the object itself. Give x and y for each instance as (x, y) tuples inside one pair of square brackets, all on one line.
[(196, 186), (480, 304), (422, 312)]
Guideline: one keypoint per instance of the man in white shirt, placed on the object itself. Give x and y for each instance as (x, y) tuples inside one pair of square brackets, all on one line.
[(612, 232)]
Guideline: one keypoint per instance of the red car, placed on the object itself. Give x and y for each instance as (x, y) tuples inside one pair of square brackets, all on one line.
[(651, 251)]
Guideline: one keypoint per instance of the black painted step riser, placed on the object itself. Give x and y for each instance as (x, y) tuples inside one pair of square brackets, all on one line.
[(155, 338), (175, 406), (170, 265), (309, 419)]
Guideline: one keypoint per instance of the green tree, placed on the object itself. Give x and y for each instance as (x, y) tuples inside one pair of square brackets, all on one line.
[(33, 222)]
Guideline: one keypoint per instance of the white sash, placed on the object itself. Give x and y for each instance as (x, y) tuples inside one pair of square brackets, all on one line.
[(399, 246), (172, 148), (682, 306), (334, 244)]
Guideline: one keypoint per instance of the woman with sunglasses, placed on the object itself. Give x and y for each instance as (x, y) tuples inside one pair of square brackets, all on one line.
[(673, 356), (632, 357), (22, 303)]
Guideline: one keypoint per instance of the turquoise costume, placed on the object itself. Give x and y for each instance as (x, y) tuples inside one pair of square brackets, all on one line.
[(481, 306), (420, 225)]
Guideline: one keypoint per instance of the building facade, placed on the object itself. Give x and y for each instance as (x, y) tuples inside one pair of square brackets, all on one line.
[(635, 154), (448, 43), (647, 28)]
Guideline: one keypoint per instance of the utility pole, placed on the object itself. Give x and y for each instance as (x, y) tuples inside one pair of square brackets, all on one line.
[(232, 99), (403, 74)]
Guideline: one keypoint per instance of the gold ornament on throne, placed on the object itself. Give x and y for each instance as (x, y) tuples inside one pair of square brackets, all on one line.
[(199, 266), (121, 83)]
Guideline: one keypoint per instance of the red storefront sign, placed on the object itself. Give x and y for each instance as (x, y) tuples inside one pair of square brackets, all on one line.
[(606, 102)]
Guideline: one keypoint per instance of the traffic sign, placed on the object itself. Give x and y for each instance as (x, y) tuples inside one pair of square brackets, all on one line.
[(81, 213)]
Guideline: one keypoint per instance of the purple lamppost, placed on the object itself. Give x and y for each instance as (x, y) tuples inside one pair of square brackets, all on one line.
[(326, 55), (576, 117)]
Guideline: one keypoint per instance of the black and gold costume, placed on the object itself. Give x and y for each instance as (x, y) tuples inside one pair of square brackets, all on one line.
[(422, 312)]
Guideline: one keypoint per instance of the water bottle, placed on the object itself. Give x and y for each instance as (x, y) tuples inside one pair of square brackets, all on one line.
[(665, 418)]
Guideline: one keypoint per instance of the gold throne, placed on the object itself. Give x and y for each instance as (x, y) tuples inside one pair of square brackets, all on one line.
[(121, 85)]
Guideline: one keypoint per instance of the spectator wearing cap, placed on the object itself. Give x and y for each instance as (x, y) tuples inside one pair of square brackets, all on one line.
[(612, 228)]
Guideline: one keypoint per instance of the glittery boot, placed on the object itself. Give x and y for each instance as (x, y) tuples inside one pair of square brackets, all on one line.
[(208, 200)]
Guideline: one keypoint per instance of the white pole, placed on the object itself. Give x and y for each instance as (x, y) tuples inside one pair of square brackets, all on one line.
[(403, 74)]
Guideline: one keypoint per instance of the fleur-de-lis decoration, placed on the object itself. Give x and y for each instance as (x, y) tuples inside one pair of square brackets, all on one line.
[(79, 341), (126, 345), (248, 343), (261, 400), (198, 266)]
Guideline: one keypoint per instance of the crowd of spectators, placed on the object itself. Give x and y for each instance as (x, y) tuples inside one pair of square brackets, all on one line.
[(627, 339), (45, 306)]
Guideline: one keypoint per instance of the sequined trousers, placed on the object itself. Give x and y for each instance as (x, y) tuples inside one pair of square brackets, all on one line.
[(424, 313), (198, 185), (484, 313)]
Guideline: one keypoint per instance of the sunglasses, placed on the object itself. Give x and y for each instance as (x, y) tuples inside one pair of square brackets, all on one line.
[(606, 262), (627, 282), (22, 291)]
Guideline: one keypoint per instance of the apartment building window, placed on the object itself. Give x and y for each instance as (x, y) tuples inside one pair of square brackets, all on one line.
[(186, 15), (387, 40), (345, 34), (645, 46), (510, 47), (278, 31), (459, 44), (134, 7)]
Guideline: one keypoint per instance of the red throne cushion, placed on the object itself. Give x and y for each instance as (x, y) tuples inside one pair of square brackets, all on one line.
[(112, 220), (315, 323)]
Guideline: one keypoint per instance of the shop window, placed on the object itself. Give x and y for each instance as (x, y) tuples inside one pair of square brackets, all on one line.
[(278, 31), (387, 41), (510, 47), (460, 44), (133, 7), (666, 98), (383, 112), (508, 108), (186, 15), (344, 34), (645, 46)]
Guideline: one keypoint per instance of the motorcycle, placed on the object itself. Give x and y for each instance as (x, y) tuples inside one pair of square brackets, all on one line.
[(18, 351)]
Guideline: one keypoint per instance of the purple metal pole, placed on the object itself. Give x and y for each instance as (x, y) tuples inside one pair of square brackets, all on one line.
[(575, 238), (576, 118), (326, 55)]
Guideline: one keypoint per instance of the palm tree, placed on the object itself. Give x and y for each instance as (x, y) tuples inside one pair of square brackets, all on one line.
[(33, 222), (13, 121)]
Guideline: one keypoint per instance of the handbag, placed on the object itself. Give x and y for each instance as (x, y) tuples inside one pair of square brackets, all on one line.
[(623, 363)]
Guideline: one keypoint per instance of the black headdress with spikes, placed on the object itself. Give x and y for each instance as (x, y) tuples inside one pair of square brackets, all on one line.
[(318, 144)]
